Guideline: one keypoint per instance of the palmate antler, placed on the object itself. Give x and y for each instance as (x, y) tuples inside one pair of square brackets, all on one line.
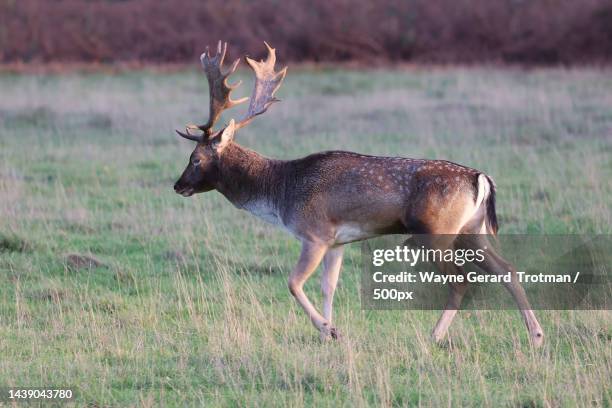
[(219, 91), (267, 83)]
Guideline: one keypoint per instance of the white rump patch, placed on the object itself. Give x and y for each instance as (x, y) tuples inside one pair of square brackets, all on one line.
[(474, 218)]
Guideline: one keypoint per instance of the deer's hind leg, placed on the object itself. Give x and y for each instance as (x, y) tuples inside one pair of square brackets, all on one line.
[(456, 289), (441, 230), (493, 263)]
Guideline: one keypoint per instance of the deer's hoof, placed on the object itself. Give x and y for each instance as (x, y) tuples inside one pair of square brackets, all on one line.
[(335, 334), (438, 338), (328, 334), (537, 339)]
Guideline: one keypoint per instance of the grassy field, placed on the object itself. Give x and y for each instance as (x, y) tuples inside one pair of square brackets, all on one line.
[(189, 304)]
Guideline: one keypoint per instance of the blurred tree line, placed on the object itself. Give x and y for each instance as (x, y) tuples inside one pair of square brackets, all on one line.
[(448, 31)]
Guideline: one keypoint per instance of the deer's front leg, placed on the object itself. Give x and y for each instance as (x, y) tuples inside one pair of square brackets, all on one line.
[(311, 256), (332, 262)]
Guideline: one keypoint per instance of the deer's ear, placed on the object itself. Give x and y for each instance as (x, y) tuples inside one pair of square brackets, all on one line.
[(221, 141)]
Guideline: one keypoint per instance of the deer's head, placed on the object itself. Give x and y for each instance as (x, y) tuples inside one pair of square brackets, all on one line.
[(202, 171)]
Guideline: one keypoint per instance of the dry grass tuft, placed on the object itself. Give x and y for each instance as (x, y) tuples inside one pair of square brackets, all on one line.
[(77, 262)]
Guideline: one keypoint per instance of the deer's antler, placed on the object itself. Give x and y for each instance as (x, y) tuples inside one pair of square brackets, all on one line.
[(267, 83), (219, 91)]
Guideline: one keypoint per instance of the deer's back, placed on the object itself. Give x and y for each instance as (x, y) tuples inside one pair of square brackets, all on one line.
[(373, 194)]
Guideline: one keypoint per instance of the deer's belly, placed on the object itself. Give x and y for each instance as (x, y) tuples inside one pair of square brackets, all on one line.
[(351, 232)]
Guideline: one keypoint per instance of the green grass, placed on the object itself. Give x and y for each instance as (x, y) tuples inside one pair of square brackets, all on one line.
[(191, 306)]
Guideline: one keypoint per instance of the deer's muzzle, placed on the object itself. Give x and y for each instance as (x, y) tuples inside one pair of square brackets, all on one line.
[(184, 191)]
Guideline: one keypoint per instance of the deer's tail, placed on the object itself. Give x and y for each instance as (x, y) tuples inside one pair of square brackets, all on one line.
[(486, 197)]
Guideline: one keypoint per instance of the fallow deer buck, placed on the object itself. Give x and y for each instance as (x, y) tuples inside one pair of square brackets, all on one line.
[(332, 198)]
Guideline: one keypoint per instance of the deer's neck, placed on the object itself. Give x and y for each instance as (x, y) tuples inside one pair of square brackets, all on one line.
[(250, 181)]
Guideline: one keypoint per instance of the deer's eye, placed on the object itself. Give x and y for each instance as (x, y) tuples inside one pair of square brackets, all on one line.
[(196, 162)]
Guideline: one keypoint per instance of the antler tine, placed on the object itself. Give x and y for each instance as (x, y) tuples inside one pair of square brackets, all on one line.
[(189, 136), (219, 90), (267, 83)]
